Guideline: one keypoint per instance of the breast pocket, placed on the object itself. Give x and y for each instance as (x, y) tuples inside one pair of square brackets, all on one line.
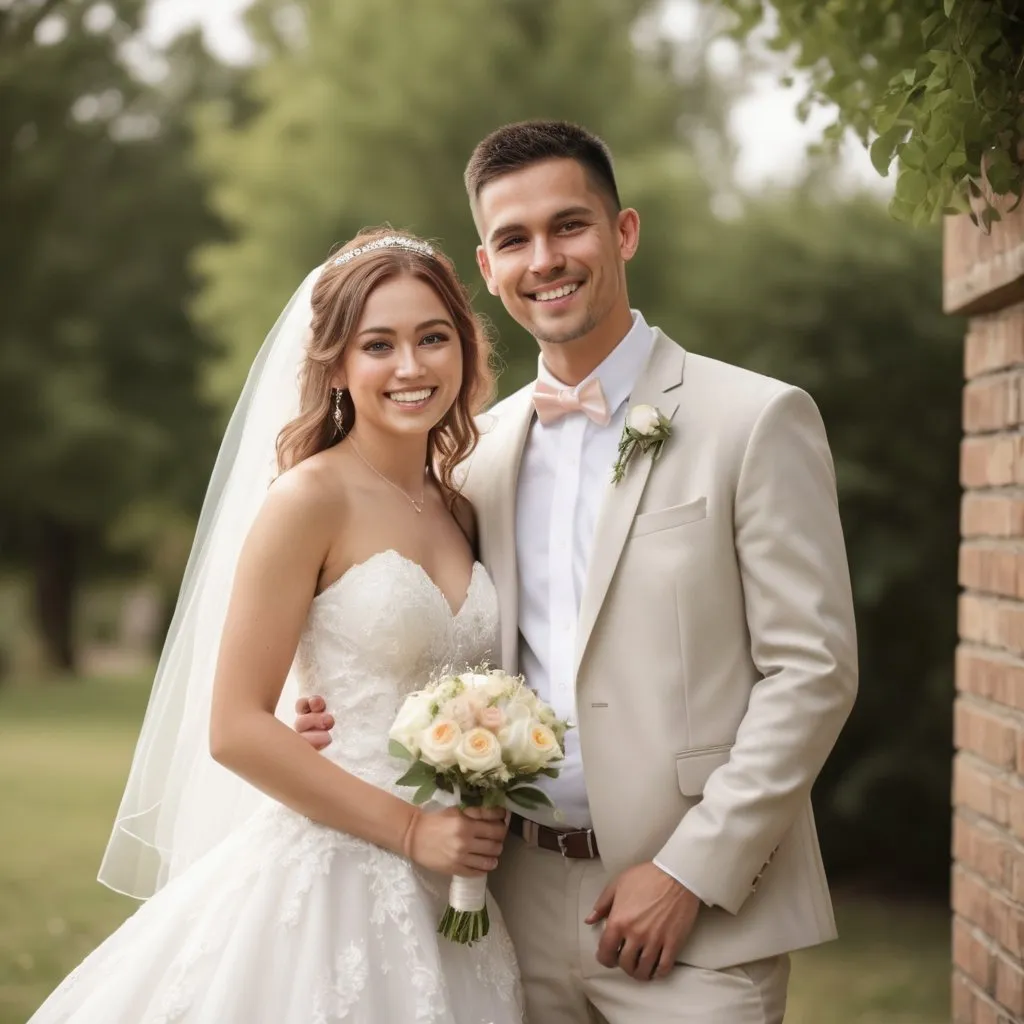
[(668, 518)]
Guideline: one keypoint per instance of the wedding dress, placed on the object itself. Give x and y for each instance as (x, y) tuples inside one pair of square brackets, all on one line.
[(289, 922)]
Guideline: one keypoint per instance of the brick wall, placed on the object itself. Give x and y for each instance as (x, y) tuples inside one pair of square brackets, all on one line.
[(984, 279)]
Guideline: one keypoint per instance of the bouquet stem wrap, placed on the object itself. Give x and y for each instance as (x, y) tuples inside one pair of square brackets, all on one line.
[(466, 919)]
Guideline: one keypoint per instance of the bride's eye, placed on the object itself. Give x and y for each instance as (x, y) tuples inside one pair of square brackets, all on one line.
[(433, 339), (376, 346)]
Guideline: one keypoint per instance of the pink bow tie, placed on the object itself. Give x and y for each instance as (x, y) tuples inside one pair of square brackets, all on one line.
[(554, 403)]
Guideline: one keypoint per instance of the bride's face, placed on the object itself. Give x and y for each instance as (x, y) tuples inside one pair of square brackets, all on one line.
[(403, 365)]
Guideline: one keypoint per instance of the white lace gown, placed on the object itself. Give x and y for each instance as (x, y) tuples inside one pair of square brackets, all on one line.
[(289, 922)]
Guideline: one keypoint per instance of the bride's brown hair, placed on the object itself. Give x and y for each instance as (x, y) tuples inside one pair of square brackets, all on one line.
[(338, 299)]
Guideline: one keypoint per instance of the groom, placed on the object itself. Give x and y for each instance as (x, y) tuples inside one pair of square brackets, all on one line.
[(694, 620)]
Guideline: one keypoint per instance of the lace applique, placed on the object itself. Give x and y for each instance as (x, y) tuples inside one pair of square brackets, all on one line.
[(339, 994)]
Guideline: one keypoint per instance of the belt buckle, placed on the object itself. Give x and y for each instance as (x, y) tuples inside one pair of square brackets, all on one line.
[(561, 838)]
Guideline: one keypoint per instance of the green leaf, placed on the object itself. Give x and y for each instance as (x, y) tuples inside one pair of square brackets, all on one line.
[(424, 793), (529, 797), (911, 186), (882, 153), (418, 774), (395, 749), (948, 6)]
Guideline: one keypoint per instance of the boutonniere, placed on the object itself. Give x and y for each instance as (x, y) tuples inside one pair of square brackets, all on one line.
[(646, 430)]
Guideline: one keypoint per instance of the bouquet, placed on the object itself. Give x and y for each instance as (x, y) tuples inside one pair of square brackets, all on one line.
[(483, 736)]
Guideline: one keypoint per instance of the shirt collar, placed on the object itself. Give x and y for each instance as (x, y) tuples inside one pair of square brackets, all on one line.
[(620, 369)]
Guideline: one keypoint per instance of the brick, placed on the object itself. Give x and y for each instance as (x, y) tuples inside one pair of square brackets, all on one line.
[(989, 460), (981, 791), (994, 342), (1009, 985), (993, 569), (994, 676), (991, 515), (992, 737), (987, 853), (1000, 919), (974, 956), (992, 403), (987, 1013), (991, 622), (1017, 880), (983, 271), (1015, 799), (963, 1000)]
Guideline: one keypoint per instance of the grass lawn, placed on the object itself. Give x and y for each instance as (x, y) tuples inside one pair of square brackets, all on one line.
[(64, 755)]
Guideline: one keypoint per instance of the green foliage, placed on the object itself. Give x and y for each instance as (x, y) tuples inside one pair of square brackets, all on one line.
[(366, 112), (846, 303), (99, 367), (936, 86)]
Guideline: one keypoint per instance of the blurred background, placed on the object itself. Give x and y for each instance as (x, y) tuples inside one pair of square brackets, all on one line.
[(168, 174)]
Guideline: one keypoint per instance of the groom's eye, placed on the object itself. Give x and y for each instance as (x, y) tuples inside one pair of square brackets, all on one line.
[(511, 240)]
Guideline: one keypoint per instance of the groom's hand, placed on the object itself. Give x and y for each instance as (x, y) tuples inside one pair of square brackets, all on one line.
[(649, 917), (313, 722)]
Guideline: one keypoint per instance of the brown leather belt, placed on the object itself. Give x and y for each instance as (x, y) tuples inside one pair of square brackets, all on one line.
[(578, 844)]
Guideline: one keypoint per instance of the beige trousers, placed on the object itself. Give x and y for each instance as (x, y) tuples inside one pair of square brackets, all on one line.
[(544, 899)]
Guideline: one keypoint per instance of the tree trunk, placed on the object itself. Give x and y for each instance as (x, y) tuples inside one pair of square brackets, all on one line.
[(56, 588)]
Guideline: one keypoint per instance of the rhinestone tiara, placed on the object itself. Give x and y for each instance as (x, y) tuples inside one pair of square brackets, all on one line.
[(387, 242)]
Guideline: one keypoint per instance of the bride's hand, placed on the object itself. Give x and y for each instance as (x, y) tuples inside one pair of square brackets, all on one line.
[(455, 842)]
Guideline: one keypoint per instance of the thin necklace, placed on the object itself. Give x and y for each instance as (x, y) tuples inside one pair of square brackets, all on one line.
[(418, 505)]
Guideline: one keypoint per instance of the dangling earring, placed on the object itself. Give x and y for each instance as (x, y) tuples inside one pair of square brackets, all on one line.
[(336, 410)]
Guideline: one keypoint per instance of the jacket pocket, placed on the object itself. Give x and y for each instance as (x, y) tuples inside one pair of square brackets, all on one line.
[(666, 518), (694, 766)]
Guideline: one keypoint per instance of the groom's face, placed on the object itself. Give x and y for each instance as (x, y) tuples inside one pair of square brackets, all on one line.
[(554, 249)]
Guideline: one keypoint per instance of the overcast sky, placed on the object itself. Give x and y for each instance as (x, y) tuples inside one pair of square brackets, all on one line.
[(771, 139)]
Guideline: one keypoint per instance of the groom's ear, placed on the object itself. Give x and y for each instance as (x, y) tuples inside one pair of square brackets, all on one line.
[(485, 269)]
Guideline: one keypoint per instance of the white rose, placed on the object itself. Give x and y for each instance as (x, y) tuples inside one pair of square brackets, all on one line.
[(529, 744), (517, 710), (463, 709), (644, 419), (439, 742), (478, 751), (413, 718)]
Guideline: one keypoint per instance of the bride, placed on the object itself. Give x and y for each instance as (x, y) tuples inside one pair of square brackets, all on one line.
[(333, 556)]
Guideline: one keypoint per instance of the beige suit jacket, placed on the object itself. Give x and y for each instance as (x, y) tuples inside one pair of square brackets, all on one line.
[(716, 657)]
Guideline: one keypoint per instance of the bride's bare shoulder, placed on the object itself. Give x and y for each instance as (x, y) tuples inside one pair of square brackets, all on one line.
[(312, 491)]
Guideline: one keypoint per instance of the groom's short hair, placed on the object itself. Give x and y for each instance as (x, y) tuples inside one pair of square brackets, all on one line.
[(515, 146)]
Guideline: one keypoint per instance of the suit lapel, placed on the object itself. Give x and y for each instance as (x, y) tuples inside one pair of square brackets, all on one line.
[(498, 519), (661, 376)]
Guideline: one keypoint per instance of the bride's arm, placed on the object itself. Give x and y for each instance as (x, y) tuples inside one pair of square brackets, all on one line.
[(275, 583)]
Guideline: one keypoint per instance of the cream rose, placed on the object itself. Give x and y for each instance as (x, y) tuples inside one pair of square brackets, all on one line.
[(439, 743), (413, 718), (528, 743), (643, 419), (478, 751)]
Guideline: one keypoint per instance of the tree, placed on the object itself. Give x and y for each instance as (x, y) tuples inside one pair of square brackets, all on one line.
[(367, 111), (845, 302), (936, 87), (99, 366)]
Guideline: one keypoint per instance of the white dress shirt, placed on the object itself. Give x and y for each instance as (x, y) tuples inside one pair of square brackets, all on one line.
[(565, 473)]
